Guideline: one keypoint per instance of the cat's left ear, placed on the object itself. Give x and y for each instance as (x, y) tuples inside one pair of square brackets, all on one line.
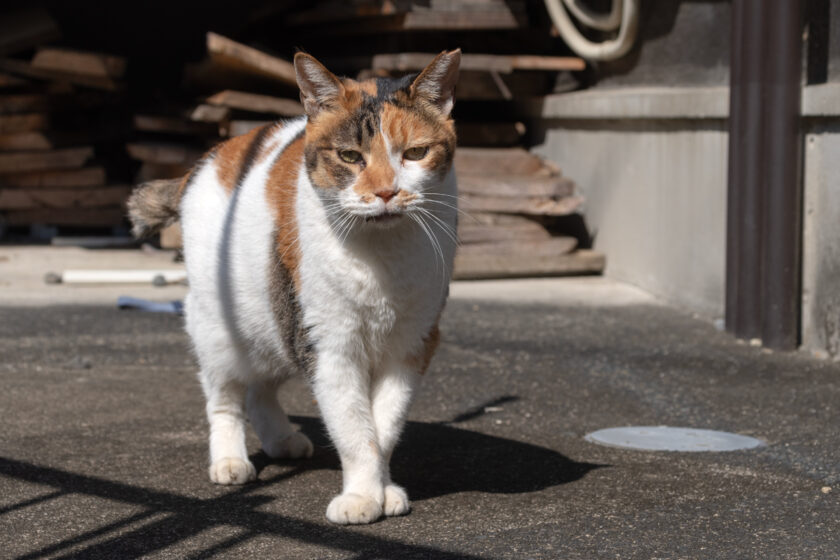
[(319, 88), (437, 81)]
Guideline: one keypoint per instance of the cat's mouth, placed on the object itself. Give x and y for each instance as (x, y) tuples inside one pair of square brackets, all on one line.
[(384, 217)]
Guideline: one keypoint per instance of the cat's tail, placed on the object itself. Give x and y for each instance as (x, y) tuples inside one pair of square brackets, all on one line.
[(154, 205)]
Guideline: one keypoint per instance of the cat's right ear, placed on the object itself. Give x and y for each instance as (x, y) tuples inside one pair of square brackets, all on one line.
[(319, 88)]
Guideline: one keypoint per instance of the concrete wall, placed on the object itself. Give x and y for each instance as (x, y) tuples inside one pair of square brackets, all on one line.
[(655, 195), (652, 164), (821, 239)]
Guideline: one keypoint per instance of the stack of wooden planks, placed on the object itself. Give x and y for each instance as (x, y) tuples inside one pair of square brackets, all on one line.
[(71, 137), (508, 198), (50, 169), (230, 101)]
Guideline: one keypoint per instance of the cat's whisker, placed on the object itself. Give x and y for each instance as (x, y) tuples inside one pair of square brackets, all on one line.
[(457, 209), (434, 242), (443, 225)]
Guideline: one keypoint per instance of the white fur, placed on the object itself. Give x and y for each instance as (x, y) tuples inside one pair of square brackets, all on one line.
[(368, 299)]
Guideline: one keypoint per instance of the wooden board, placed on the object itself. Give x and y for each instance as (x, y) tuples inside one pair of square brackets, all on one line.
[(59, 179), (174, 125), (40, 140), (257, 103), (19, 67), (79, 217), (470, 232), (25, 29), (227, 53), (23, 123), (163, 153), (509, 185), (428, 20), (511, 205), (23, 103), (549, 247), (9, 81), (239, 127), (15, 162), (489, 161), (407, 62), (210, 114), (26, 199), (520, 263), (25, 141), (79, 62)]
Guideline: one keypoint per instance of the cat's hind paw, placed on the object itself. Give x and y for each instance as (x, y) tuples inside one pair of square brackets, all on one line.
[(232, 470), (396, 501), (347, 509), (295, 446)]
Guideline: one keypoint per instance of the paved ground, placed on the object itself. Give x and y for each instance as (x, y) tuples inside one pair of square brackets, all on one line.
[(102, 451)]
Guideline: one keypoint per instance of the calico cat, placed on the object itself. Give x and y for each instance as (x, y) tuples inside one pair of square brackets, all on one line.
[(321, 245)]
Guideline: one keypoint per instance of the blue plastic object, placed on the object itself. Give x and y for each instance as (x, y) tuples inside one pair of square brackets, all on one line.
[(128, 302)]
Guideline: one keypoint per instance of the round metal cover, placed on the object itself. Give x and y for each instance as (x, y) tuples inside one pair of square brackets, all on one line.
[(665, 438)]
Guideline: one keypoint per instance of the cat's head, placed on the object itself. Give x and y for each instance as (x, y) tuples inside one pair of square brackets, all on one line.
[(376, 149)]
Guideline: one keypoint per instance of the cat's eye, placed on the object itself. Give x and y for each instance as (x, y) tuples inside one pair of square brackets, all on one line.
[(350, 156), (416, 153)]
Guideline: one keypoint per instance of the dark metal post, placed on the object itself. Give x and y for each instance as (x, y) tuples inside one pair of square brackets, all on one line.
[(783, 151), (743, 289), (763, 223)]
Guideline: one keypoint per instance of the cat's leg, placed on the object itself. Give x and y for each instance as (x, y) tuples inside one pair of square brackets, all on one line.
[(279, 438), (229, 463), (342, 389), (391, 396)]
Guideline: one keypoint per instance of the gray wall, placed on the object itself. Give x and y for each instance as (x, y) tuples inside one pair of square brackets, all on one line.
[(821, 239), (680, 42), (655, 195), (647, 146)]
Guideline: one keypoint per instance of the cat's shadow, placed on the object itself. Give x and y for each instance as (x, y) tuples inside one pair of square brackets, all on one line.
[(436, 459)]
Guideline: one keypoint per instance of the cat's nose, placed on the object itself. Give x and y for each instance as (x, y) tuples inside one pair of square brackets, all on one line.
[(386, 194)]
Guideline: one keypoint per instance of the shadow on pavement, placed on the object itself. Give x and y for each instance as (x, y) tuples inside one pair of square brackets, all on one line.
[(433, 460), (438, 459)]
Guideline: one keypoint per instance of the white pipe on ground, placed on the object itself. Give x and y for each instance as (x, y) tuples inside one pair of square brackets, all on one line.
[(122, 276)]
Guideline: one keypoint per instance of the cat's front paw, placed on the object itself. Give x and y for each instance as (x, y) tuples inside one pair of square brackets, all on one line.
[(396, 501), (232, 470), (296, 446), (346, 509)]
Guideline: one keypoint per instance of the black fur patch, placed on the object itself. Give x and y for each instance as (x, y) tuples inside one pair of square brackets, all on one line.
[(251, 154), (288, 315), (387, 87)]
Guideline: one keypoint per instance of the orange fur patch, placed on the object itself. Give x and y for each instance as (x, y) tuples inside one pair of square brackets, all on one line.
[(230, 157), (378, 175), (408, 129), (430, 343), (280, 191)]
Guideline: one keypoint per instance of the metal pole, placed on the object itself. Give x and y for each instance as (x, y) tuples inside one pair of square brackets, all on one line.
[(765, 191), (735, 170), (746, 170), (783, 190)]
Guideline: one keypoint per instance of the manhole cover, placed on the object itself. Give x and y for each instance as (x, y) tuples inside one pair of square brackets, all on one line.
[(665, 438)]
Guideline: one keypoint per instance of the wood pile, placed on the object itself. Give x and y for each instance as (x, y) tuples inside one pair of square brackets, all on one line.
[(59, 166), (51, 116), (508, 199), (514, 206)]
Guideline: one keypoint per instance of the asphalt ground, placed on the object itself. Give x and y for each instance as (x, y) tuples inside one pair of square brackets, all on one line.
[(103, 445)]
